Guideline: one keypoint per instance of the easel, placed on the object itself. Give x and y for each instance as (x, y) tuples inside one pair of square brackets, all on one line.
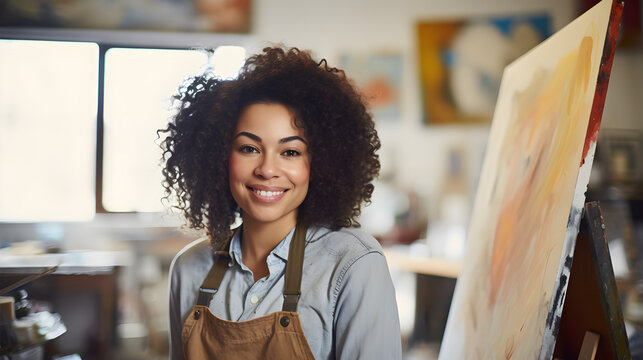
[(591, 325)]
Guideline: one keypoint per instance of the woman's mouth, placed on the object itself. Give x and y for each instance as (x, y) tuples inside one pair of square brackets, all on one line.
[(267, 195)]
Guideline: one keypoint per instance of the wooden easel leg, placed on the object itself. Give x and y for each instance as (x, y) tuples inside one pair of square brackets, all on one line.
[(591, 303), (589, 346)]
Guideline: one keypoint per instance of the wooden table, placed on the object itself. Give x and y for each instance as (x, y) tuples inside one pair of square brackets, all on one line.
[(427, 265), (80, 275)]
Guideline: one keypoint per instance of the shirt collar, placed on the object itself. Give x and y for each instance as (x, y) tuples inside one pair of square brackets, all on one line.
[(235, 247), (280, 251)]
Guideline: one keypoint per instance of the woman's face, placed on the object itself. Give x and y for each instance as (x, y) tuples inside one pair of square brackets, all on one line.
[(269, 165)]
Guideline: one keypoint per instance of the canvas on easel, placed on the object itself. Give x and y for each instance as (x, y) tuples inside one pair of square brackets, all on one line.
[(530, 198)]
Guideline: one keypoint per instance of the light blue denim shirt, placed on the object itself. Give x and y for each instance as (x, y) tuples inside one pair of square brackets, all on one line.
[(347, 307)]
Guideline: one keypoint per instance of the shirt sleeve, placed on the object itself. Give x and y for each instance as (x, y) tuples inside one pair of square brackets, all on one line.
[(176, 345), (367, 325)]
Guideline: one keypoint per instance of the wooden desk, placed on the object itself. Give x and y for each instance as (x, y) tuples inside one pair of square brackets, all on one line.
[(426, 265), (80, 275)]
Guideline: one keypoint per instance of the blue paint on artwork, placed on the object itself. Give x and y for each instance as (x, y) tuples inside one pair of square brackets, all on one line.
[(505, 25), (540, 23), (448, 57)]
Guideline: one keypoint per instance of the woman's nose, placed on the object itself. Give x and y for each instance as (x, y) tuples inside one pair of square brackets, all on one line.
[(267, 167)]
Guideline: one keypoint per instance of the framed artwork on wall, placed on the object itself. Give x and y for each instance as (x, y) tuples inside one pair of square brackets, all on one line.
[(222, 16), (461, 63), (379, 77)]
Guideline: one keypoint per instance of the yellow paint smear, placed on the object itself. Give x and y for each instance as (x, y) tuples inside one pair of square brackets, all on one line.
[(552, 111)]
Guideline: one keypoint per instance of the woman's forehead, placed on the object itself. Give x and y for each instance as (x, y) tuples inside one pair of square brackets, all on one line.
[(271, 120)]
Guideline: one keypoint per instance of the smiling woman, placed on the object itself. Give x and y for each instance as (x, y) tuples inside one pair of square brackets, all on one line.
[(290, 148)]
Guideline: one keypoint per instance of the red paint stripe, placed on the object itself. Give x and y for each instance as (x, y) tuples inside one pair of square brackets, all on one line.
[(596, 114)]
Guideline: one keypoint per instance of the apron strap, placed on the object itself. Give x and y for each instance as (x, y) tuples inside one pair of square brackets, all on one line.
[(215, 275), (294, 266)]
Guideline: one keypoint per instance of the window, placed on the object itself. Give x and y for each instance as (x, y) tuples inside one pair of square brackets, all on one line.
[(49, 101), (139, 84)]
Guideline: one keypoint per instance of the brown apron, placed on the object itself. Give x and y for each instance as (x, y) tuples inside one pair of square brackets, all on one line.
[(275, 336)]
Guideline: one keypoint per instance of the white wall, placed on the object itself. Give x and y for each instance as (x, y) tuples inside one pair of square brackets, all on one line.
[(413, 154), (332, 27)]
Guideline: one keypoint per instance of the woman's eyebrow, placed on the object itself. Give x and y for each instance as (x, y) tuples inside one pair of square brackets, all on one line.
[(281, 141), (292, 138), (250, 135)]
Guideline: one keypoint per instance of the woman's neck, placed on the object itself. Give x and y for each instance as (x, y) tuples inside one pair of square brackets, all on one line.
[(259, 239)]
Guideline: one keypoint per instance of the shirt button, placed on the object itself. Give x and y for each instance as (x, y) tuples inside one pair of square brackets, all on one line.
[(254, 299)]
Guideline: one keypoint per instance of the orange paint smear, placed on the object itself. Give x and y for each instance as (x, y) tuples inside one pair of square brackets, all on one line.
[(545, 128)]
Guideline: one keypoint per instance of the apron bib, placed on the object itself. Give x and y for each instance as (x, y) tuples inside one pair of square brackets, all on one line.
[(274, 336)]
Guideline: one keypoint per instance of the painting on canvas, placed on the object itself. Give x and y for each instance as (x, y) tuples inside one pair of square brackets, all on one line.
[(532, 189)]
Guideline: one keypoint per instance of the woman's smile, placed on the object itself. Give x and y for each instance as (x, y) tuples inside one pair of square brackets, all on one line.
[(268, 194)]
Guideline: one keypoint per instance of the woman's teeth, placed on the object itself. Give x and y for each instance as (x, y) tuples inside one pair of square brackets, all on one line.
[(268, 193)]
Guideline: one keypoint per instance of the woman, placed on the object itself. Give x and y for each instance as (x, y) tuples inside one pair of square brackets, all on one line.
[(290, 148)]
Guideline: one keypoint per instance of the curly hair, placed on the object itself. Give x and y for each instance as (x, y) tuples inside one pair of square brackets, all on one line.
[(340, 131)]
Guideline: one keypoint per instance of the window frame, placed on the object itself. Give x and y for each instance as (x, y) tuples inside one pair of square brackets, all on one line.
[(108, 39)]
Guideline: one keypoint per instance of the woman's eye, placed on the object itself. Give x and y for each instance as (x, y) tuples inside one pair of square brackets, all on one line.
[(247, 149), (291, 153)]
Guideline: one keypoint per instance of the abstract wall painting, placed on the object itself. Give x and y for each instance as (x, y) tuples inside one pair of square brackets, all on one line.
[(221, 16), (527, 210), (379, 77), (461, 63)]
